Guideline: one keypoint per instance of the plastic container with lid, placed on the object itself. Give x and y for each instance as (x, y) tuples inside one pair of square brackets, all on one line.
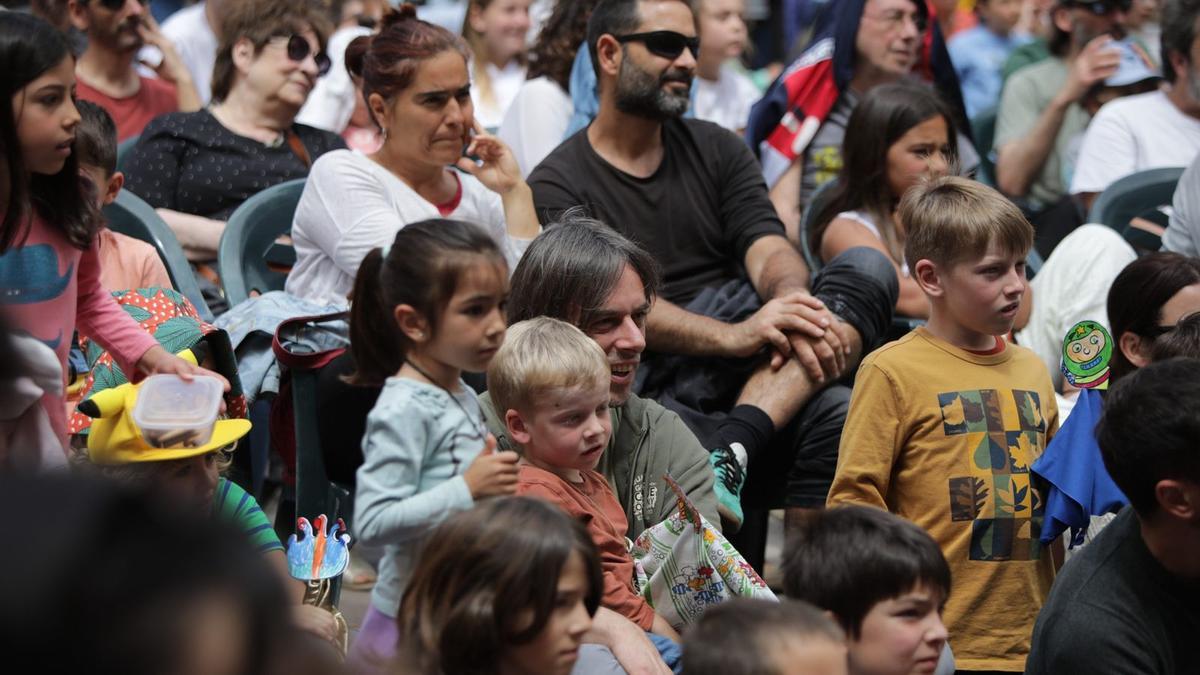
[(173, 413)]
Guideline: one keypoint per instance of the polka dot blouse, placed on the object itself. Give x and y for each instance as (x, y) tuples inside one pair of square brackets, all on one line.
[(189, 162)]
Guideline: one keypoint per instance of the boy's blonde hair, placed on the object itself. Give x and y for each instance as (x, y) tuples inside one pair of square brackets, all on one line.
[(541, 355), (951, 219)]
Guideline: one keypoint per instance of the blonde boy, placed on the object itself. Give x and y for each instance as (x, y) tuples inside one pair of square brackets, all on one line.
[(552, 383), (945, 422)]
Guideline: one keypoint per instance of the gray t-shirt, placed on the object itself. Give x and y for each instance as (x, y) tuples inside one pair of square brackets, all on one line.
[(823, 158), (1026, 94), (1183, 234)]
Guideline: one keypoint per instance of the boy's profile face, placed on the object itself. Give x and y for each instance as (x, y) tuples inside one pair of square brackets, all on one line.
[(900, 636), (980, 296), (107, 186), (566, 431)]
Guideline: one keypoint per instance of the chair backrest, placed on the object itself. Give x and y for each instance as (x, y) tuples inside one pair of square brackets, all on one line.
[(983, 128), (131, 216), (250, 257), (124, 149), (815, 205), (1134, 194)]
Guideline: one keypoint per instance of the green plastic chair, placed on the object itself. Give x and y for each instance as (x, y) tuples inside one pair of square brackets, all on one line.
[(983, 128), (1134, 194), (124, 150), (250, 259), (133, 217)]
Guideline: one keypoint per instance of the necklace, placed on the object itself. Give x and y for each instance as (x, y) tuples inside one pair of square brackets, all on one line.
[(480, 430)]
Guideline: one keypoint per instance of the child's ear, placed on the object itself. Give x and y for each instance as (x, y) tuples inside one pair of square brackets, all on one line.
[(115, 183), (928, 277), (412, 324), (517, 430)]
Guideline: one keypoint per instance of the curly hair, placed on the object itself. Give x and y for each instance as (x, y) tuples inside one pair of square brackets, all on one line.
[(564, 32)]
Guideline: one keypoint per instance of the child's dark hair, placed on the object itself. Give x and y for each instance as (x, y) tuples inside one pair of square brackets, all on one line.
[(1182, 340), (1137, 296), (96, 138), (487, 580), (28, 48), (716, 644), (850, 558), (422, 269), (1149, 429), (886, 113)]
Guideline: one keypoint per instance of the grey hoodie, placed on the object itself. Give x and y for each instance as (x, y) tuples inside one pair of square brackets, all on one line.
[(648, 441)]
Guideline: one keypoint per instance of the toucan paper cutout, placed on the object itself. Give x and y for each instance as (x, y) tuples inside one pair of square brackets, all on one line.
[(315, 554), (1087, 350)]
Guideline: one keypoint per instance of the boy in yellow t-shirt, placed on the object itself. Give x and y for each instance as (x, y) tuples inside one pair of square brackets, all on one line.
[(945, 422)]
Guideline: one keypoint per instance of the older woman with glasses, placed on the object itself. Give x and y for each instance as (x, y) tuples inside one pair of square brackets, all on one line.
[(196, 168)]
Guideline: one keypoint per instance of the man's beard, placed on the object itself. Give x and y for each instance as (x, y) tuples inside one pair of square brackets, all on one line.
[(640, 93)]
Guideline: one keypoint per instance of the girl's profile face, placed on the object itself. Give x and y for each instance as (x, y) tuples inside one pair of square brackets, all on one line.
[(473, 322), (556, 648), (722, 28), (503, 25), (46, 118), (923, 151)]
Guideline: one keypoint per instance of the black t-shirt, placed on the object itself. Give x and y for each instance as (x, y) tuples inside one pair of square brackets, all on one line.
[(1115, 610), (189, 162), (697, 214)]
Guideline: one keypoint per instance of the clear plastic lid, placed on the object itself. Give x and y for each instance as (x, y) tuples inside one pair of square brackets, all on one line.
[(173, 413)]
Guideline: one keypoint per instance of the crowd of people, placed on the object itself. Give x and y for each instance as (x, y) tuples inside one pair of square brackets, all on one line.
[(587, 272)]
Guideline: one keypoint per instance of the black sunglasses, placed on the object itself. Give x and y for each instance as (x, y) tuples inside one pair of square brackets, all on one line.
[(115, 5), (665, 43), (298, 49), (1101, 7)]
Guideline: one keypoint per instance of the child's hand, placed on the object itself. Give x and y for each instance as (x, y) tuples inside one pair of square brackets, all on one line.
[(158, 361), (492, 473)]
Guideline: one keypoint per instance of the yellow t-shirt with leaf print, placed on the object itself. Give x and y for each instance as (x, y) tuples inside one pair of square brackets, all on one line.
[(945, 437)]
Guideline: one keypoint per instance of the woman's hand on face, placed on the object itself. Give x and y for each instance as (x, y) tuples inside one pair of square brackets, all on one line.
[(498, 169)]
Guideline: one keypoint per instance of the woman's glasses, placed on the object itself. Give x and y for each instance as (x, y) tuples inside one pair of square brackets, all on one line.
[(116, 5), (665, 43), (298, 49)]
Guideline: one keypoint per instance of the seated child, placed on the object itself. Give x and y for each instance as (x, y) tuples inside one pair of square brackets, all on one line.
[(882, 578), (514, 578), (945, 422), (748, 636), (552, 383), (190, 477), (125, 262)]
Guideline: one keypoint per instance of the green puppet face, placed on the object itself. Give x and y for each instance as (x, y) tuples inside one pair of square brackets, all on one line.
[(1087, 350)]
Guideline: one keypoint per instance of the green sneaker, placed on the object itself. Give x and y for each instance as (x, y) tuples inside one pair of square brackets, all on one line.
[(730, 476)]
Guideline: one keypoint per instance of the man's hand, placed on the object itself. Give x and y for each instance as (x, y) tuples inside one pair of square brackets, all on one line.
[(1097, 61), (796, 312), (628, 643)]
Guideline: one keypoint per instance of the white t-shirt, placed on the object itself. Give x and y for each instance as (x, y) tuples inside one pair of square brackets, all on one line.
[(196, 44), (726, 101), (864, 219), (1133, 134), (351, 205), (536, 121), (505, 83), (331, 103)]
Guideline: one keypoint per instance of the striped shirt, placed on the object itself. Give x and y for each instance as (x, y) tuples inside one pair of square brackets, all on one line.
[(233, 503)]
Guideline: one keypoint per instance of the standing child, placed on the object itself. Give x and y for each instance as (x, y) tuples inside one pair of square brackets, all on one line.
[(945, 422), (49, 261), (723, 95), (552, 382), (979, 53), (424, 310)]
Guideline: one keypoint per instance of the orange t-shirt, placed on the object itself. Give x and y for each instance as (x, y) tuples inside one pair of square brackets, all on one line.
[(133, 113), (595, 504), (127, 263)]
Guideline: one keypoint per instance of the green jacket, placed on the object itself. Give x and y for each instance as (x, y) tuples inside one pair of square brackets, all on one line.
[(648, 440)]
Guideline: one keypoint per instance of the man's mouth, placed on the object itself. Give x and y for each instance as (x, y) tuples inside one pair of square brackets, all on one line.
[(624, 370)]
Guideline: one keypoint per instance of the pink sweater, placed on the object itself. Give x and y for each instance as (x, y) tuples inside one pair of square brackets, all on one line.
[(48, 288)]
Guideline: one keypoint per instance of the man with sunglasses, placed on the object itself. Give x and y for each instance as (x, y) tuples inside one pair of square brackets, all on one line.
[(107, 74), (742, 349), (1040, 119)]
